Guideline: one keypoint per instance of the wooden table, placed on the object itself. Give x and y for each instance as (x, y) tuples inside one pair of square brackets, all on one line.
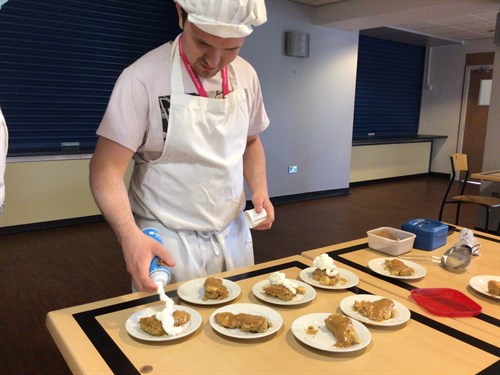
[(93, 339), (485, 327), (489, 186), (487, 176)]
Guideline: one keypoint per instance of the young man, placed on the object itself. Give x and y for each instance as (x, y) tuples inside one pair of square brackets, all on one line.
[(189, 113)]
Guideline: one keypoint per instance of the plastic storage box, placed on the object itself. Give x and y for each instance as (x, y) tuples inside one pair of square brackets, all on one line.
[(445, 302), (390, 241), (431, 234)]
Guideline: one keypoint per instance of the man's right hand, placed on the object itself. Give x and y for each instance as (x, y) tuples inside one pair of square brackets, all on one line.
[(139, 250)]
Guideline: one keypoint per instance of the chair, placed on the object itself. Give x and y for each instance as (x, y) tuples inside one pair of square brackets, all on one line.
[(460, 166)]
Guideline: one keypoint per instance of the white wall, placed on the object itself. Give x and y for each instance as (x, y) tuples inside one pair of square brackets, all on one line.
[(441, 105), (48, 190), (310, 101), (375, 162)]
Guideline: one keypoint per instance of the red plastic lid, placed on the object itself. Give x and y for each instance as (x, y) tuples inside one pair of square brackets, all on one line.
[(445, 302)]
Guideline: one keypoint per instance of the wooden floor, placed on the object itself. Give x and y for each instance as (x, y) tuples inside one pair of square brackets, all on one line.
[(45, 270)]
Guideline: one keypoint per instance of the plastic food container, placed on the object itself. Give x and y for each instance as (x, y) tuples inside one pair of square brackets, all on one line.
[(390, 241), (445, 302), (431, 234)]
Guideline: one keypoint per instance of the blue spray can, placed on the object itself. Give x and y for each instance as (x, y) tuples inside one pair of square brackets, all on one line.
[(158, 270)]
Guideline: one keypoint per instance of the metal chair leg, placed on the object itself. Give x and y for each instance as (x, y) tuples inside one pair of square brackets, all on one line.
[(458, 213), (487, 219)]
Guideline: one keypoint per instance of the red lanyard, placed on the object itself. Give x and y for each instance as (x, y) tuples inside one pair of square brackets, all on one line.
[(196, 79)]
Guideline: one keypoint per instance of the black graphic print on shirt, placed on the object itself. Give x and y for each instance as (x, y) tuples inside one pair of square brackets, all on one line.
[(164, 102)]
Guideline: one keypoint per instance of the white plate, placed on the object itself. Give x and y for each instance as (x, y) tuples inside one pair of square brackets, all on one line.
[(249, 308), (323, 339), (193, 291), (480, 284), (402, 312), (377, 265), (133, 328), (258, 291), (352, 279)]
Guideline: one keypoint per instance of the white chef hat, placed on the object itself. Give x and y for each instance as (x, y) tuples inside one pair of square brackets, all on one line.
[(225, 18)]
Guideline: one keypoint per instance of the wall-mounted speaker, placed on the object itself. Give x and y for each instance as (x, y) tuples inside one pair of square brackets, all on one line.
[(297, 44)]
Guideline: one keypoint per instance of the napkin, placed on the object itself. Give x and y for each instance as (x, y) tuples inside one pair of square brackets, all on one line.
[(253, 218)]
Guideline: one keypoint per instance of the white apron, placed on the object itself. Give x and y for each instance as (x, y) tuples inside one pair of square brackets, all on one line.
[(194, 192)]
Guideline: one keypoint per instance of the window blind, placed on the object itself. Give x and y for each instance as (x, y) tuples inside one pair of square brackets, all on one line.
[(59, 61), (388, 88)]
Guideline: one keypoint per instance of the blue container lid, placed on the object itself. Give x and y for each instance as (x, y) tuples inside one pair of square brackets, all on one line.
[(425, 225)]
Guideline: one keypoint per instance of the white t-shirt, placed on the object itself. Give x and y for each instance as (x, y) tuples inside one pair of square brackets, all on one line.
[(4, 144), (137, 117)]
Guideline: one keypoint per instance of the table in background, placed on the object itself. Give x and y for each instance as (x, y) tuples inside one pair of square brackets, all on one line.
[(93, 339), (487, 176), (490, 184)]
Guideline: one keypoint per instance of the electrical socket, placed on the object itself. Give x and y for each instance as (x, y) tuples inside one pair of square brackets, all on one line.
[(292, 169)]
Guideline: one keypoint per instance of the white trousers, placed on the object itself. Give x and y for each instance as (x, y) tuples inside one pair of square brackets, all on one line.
[(199, 254)]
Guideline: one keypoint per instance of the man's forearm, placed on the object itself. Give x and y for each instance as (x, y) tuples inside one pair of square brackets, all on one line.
[(111, 196), (254, 167), (107, 170)]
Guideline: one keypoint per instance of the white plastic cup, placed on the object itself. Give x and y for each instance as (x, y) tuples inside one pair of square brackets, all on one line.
[(253, 218)]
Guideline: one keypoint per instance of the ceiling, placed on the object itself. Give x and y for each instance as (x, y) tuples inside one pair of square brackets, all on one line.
[(423, 22)]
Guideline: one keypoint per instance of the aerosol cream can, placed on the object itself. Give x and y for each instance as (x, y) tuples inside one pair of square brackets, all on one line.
[(158, 270)]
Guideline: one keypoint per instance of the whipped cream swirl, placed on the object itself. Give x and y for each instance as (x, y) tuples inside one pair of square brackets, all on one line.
[(165, 316), (324, 262), (279, 278)]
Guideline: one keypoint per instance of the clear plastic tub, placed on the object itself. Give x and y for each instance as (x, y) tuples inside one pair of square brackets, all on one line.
[(390, 241)]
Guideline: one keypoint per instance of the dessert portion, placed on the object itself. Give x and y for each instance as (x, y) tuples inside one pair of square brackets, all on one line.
[(167, 321), (280, 287), (242, 321), (341, 327), (214, 289), (326, 272), (378, 311), (154, 327), (398, 268), (494, 288), (386, 234)]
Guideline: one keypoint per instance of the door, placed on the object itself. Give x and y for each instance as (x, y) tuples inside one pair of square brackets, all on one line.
[(476, 119)]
